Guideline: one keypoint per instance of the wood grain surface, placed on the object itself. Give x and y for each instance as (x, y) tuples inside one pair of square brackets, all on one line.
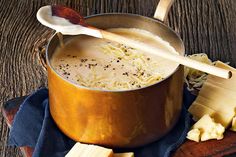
[(207, 26)]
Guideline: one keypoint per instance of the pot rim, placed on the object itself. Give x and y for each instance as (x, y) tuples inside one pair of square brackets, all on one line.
[(120, 90)]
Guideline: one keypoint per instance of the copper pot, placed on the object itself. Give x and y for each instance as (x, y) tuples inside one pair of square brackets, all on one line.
[(127, 118)]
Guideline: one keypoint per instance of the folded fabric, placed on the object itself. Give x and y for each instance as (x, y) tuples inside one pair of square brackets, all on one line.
[(33, 126)]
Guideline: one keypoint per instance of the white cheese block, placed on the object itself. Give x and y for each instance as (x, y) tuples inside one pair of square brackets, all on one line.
[(217, 98), (194, 135), (233, 127), (86, 150), (205, 129), (199, 110)]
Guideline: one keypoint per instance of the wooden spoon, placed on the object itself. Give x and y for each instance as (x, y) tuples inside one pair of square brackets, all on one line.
[(69, 22)]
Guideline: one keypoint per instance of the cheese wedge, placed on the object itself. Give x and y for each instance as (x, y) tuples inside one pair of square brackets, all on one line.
[(233, 127), (206, 129), (199, 110), (130, 154), (217, 98), (194, 135), (85, 150)]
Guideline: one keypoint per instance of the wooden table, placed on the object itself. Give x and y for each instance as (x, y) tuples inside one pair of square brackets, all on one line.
[(207, 26)]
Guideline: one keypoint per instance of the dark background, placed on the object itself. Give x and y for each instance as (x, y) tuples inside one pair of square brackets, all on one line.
[(207, 26)]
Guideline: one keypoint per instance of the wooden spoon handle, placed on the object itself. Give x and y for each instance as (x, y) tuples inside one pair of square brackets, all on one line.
[(170, 56), (162, 9), (161, 12)]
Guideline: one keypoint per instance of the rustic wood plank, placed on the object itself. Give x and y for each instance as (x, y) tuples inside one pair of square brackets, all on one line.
[(211, 148), (205, 26)]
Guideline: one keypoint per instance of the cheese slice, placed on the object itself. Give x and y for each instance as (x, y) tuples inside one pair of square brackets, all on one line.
[(130, 154), (86, 150), (205, 129), (217, 98)]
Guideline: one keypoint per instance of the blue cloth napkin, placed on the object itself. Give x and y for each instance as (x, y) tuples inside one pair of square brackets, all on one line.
[(33, 126)]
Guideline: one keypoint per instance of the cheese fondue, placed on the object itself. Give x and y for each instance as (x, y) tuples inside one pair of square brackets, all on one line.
[(102, 64)]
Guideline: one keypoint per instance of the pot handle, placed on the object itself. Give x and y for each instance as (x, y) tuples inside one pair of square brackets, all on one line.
[(162, 9)]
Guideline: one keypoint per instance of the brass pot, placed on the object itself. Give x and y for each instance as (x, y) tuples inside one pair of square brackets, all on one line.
[(127, 118)]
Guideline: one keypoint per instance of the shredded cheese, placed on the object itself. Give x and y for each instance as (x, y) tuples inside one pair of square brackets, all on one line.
[(144, 76), (195, 78)]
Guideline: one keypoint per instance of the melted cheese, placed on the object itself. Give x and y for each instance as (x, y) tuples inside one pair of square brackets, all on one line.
[(102, 64)]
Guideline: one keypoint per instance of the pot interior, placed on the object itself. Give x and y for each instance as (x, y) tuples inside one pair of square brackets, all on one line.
[(120, 20)]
